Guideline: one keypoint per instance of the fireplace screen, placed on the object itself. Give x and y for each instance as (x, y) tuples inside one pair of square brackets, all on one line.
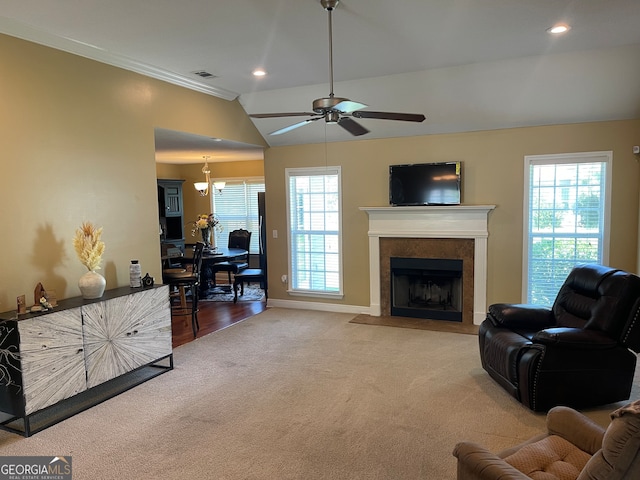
[(429, 288)]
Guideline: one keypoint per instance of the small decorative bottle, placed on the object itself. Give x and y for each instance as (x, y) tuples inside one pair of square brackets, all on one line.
[(135, 274)]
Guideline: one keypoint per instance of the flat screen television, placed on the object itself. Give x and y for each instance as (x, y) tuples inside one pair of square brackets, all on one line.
[(425, 184)]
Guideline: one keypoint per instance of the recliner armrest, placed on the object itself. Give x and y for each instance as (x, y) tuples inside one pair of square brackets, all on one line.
[(576, 428), (478, 463), (511, 315), (574, 338)]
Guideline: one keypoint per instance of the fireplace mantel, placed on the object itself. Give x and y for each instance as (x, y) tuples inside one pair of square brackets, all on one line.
[(455, 221)]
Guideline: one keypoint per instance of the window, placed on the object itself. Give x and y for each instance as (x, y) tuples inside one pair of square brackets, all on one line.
[(566, 219), (314, 214), (237, 207)]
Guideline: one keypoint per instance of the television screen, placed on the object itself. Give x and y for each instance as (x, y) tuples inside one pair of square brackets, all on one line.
[(425, 184)]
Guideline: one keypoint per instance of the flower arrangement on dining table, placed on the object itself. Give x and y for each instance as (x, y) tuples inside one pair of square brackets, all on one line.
[(206, 224)]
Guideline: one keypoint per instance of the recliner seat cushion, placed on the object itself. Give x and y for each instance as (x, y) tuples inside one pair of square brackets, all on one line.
[(552, 458)]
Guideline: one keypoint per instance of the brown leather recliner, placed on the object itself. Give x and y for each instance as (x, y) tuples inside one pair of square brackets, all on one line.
[(576, 353)]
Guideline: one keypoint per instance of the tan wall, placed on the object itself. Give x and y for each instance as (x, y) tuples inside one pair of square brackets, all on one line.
[(78, 144), (493, 173)]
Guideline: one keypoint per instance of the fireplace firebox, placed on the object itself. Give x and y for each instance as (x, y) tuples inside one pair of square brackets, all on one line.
[(429, 288)]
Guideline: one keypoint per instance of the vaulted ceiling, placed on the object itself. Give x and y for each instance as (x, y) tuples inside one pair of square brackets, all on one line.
[(465, 64)]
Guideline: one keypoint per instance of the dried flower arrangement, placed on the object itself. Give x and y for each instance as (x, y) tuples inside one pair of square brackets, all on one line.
[(88, 245)]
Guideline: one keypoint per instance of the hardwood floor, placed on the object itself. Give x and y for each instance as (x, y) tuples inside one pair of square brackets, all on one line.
[(212, 316)]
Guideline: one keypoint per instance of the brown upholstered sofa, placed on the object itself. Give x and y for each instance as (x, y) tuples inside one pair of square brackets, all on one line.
[(577, 353), (573, 448)]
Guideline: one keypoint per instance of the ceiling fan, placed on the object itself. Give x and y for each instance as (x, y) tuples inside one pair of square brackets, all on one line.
[(337, 110)]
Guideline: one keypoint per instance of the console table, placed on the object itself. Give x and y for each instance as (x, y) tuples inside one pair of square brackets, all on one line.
[(57, 363)]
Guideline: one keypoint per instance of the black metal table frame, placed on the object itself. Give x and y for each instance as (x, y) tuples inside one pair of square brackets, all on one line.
[(85, 400)]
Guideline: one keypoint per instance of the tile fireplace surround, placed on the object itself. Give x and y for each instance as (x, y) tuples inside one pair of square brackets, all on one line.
[(428, 222)]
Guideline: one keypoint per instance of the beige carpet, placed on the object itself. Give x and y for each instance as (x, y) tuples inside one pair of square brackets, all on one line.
[(293, 394)]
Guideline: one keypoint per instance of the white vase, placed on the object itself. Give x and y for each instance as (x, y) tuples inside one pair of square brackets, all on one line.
[(92, 285)]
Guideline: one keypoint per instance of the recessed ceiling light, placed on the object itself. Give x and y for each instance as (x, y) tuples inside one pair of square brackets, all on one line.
[(258, 72), (559, 29)]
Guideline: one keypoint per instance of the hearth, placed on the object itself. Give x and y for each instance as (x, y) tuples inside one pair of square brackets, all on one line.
[(429, 288)]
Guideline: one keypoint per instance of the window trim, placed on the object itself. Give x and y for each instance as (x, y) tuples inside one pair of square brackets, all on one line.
[(560, 158), (307, 171)]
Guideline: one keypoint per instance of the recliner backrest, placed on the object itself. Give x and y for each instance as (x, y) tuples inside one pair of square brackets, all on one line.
[(579, 295), (601, 298)]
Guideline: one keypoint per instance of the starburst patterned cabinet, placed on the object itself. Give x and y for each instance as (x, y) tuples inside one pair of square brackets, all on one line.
[(82, 352)]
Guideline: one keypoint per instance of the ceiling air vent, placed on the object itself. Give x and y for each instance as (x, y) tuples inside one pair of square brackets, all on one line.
[(204, 74)]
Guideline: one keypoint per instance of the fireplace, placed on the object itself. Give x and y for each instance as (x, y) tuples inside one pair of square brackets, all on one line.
[(429, 288), (447, 262), (456, 232)]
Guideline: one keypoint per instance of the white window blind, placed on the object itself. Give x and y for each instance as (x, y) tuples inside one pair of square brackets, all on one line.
[(237, 207), (314, 204), (566, 219)]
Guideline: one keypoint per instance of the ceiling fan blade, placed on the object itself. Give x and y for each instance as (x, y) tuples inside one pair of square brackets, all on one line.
[(294, 126), (407, 117), (351, 126), (347, 106), (276, 115)]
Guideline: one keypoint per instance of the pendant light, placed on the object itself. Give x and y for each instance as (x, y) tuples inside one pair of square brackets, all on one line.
[(203, 187)]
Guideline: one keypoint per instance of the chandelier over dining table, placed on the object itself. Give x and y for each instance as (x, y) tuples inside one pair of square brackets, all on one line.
[(203, 187)]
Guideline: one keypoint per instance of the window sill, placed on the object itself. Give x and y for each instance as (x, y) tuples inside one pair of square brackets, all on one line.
[(316, 294)]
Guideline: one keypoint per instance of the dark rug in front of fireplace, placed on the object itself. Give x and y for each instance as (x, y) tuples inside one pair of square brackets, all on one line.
[(417, 323)]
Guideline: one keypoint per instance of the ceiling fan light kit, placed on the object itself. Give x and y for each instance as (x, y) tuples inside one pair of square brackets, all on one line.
[(337, 110), (332, 118)]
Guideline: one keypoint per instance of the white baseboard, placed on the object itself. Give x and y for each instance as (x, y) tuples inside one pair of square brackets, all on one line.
[(318, 306), (478, 317)]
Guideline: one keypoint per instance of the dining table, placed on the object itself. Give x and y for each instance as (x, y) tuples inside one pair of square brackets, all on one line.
[(211, 256)]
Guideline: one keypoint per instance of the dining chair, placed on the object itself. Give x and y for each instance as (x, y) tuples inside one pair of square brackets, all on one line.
[(187, 279), (240, 238), (249, 275), (171, 255)]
